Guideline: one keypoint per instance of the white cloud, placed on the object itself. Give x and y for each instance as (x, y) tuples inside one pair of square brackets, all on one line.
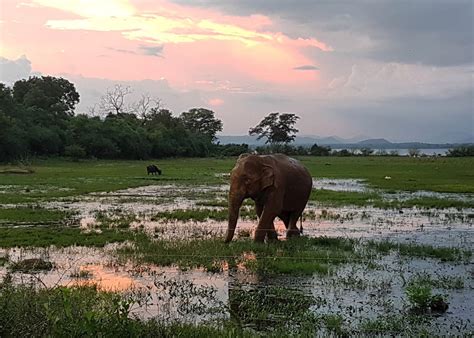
[(375, 80), (13, 70)]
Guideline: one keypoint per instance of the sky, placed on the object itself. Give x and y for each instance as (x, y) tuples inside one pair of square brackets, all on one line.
[(402, 70)]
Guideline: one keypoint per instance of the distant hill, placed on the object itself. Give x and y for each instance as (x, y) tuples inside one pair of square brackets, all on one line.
[(239, 139), (340, 143), (300, 140), (375, 141)]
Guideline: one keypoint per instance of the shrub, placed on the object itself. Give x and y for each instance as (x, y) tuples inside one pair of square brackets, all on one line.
[(75, 151), (461, 151)]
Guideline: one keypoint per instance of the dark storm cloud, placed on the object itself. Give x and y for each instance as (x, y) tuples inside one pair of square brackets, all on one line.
[(436, 32)]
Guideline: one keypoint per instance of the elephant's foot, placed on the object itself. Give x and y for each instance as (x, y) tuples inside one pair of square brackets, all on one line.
[(292, 233), (259, 235), (272, 236)]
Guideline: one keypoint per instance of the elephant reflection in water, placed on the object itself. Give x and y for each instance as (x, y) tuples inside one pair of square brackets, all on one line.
[(280, 187)]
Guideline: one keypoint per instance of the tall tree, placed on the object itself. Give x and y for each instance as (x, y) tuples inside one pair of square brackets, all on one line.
[(202, 121), (56, 97), (276, 128)]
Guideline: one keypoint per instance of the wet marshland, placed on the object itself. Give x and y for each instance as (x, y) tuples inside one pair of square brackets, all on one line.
[(388, 252)]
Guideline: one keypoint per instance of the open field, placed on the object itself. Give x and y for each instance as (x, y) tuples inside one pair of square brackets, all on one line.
[(56, 178), (100, 247)]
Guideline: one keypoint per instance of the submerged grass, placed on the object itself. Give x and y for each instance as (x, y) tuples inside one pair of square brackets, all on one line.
[(296, 256), (397, 324), (31, 265), (61, 237), (424, 202), (274, 307), (439, 282), (201, 214)]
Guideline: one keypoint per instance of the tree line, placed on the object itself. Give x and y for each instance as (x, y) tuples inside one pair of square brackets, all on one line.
[(37, 118)]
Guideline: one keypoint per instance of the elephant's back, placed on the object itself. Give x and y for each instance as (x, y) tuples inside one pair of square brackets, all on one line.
[(295, 174)]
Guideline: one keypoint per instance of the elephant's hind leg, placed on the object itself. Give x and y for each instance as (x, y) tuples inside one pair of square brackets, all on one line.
[(285, 217)]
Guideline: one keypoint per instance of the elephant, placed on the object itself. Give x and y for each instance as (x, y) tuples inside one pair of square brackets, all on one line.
[(279, 185), (153, 169)]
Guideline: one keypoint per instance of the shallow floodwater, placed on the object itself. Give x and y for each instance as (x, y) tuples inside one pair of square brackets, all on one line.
[(355, 291)]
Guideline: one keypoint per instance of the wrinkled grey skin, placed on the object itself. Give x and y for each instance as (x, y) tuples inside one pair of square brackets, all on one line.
[(280, 187)]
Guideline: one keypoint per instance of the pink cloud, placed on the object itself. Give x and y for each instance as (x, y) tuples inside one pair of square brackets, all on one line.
[(197, 43), (216, 102)]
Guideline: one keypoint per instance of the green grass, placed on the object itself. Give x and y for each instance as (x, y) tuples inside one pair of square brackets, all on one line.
[(297, 256), (60, 237), (433, 174), (26, 311), (32, 215), (339, 198), (420, 250), (59, 178)]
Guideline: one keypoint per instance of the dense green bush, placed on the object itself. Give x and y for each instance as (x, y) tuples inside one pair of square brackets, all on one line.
[(37, 118), (461, 151)]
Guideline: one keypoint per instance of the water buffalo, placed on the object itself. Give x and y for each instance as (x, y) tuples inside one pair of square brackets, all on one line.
[(153, 169)]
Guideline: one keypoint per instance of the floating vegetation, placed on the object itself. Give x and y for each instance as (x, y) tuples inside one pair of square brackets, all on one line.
[(31, 265)]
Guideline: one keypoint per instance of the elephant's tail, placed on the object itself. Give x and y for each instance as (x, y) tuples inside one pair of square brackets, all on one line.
[(301, 224)]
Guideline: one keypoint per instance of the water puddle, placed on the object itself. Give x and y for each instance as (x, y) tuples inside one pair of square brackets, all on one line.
[(340, 184), (357, 185), (447, 227), (356, 291), (145, 200)]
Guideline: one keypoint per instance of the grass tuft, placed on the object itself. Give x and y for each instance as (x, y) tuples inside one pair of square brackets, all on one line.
[(296, 256), (61, 237)]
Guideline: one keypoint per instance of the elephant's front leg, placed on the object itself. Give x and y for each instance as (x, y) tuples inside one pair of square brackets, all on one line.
[(265, 225), (293, 230)]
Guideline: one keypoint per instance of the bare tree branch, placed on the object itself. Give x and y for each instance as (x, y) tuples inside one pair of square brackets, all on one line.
[(146, 102), (114, 100)]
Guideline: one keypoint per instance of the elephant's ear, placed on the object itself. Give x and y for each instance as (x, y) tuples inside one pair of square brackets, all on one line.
[(268, 176), (244, 155)]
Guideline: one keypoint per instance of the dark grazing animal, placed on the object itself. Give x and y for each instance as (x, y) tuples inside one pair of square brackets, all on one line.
[(153, 169)]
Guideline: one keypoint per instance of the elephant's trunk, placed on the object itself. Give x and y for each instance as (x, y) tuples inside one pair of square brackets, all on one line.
[(235, 202)]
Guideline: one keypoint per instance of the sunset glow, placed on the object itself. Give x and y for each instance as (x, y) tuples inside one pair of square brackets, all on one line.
[(76, 36), (247, 59)]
